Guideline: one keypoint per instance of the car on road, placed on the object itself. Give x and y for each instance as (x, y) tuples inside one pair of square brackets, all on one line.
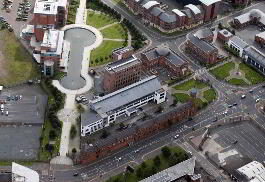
[(263, 86), (136, 151), (229, 106), (235, 104), (176, 136), (243, 96), (119, 159), (215, 120), (75, 174), (6, 113), (225, 113), (251, 91), (257, 100)]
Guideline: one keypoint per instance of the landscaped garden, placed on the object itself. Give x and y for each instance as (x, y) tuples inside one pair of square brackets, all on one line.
[(169, 156), (222, 72), (16, 64), (238, 73), (205, 94), (98, 20), (102, 54), (115, 32), (72, 9)]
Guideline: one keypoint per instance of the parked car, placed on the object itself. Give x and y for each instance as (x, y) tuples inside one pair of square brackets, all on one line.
[(176, 136)]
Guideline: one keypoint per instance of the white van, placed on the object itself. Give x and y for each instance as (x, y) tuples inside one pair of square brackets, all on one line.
[(2, 107)]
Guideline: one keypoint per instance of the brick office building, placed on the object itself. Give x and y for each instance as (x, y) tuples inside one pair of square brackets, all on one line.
[(164, 56), (121, 73), (203, 50), (135, 133), (122, 53), (260, 38)]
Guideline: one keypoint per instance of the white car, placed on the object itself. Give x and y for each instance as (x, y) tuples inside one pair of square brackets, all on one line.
[(176, 136), (257, 100), (6, 113)]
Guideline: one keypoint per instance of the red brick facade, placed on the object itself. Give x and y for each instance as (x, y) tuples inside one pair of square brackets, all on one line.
[(139, 134), (211, 11), (260, 40)]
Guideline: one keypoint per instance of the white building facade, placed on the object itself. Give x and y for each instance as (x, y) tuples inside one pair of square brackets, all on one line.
[(237, 44), (123, 102)]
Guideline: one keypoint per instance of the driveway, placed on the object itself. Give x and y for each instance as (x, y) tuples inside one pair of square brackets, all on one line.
[(79, 39)]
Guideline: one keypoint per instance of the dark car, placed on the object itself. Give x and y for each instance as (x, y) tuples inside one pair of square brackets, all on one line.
[(75, 174), (235, 104)]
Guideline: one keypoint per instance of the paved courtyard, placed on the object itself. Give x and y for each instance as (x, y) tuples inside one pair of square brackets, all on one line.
[(19, 142), (233, 145), (79, 39)]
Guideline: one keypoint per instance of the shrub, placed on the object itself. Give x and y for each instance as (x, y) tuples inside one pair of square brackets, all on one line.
[(52, 134), (73, 132), (166, 151)]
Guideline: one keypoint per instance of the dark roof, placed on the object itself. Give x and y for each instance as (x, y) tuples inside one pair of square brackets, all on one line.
[(168, 18), (99, 143), (169, 54), (89, 117), (122, 64), (203, 45), (5, 177), (203, 33), (156, 11), (187, 12), (255, 54)]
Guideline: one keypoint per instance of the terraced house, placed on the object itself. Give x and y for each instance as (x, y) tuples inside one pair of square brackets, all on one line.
[(154, 13)]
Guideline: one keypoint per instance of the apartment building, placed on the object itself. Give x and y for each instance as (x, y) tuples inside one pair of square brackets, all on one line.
[(121, 73), (170, 21), (163, 56), (127, 101), (204, 50), (237, 44)]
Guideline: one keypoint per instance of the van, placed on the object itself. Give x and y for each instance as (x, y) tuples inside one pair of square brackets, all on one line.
[(6, 113), (2, 107)]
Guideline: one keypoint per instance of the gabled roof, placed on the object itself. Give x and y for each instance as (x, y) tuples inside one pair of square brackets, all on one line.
[(203, 33), (156, 11), (187, 12), (178, 12), (173, 173), (238, 41), (168, 18), (193, 8), (209, 2), (203, 45)]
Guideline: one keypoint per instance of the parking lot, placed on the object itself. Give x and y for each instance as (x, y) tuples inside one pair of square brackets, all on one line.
[(233, 145), (11, 16), (24, 105), (19, 142)]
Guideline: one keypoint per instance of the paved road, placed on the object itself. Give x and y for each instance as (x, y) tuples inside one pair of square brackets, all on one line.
[(78, 38)]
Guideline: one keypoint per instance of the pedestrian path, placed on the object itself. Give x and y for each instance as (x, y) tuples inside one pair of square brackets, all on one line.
[(107, 26)]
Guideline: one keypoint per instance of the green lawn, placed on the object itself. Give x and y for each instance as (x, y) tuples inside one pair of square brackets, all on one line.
[(222, 72), (236, 81), (114, 32), (181, 97), (251, 74), (200, 104), (209, 95), (102, 54), (9, 163), (98, 20), (190, 84), (150, 167), (16, 64)]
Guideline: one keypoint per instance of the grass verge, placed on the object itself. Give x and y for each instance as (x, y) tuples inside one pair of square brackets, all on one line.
[(190, 84), (114, 32), (209, 95), (236, 81)]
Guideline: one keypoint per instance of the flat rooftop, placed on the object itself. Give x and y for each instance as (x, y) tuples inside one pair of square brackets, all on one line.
[(122, 64), (46, 7)]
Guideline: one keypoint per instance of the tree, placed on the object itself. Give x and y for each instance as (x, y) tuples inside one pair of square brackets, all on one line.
[(157, 161), (80, 108), (166, 151), (49, 147), (143, 165), (105, 134), (73, 132), (74, 151), (139, 172), (52, 134)]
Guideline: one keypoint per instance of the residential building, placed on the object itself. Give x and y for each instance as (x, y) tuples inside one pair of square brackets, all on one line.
[(254, 16), (252, 172), (203, 50), (224, 35), (136, 132), (254, 58), (179, 171), (121, 73), (127, 101), (205, 34), (237, 44), (152, 13), (122, 53), (211, 9), (164, 56), (260, 38)]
